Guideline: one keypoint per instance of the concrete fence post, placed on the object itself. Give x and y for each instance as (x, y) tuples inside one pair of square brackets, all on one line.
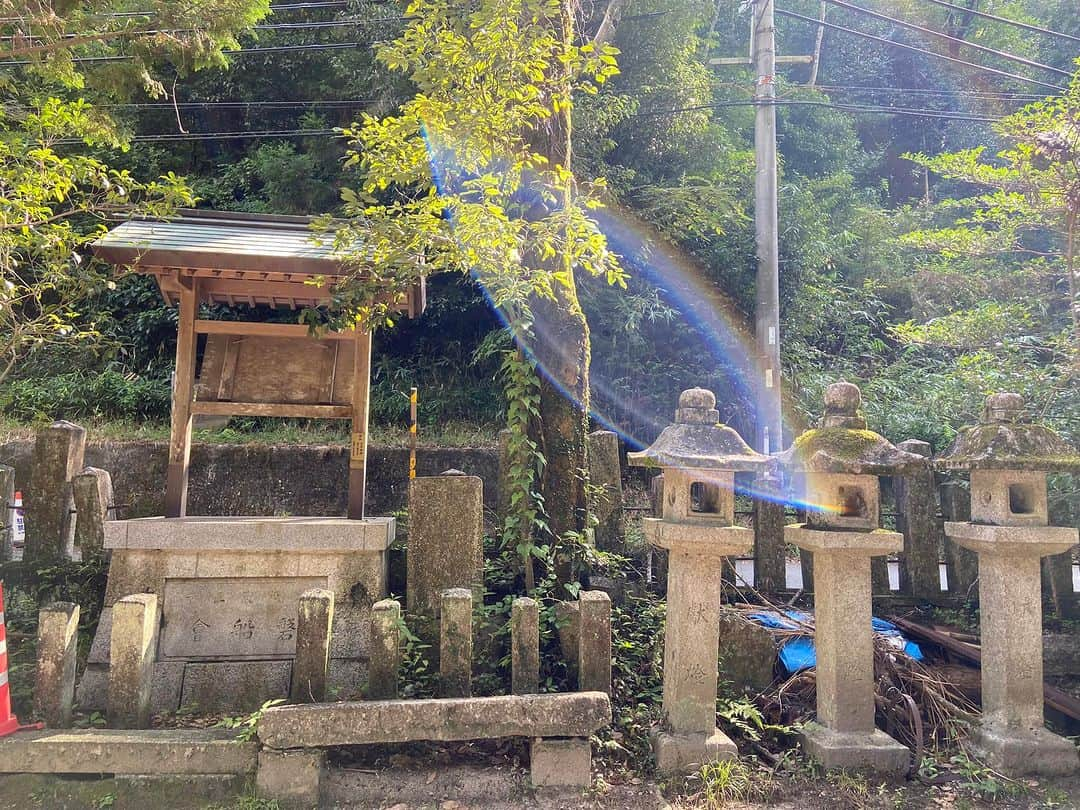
[(57, 645), (594, 642), (314, 620), (455, 643), (50, 517), (131, 660), (92, 492), (525, 646), (385, 660)]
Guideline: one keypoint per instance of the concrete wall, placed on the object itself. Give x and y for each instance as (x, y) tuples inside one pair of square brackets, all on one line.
[(263, 480)]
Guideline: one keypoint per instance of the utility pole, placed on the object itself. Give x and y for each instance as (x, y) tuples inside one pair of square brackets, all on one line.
[(767, 311), (763, 60)]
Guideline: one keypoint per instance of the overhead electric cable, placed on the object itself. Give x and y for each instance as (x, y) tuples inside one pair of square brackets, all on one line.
[(925, 91), (855, 108), (1026, 26), (324, 46), (930, 31), (924, 51)]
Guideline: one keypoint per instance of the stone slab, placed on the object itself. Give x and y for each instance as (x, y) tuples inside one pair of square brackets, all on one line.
[(861, 751), (1012, 540), (560, 763), (879, 541), (101, 751), (234, 618), (575, 714), (698, 537), (1026, 752), (308, 534), (234, 686), (686, 753)]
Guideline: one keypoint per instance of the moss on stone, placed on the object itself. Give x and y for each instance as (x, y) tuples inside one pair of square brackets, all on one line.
[(1014, 446)]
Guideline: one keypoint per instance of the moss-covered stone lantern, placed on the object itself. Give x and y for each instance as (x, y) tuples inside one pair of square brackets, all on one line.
[(700, 458), (1008, 458), (839, 464)]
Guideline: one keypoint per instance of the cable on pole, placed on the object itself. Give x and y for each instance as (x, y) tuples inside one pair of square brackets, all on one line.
[(948, 37), (854, 108), (924, 51)]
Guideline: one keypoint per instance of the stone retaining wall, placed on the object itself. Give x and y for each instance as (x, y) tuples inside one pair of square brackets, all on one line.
[(261, 479)]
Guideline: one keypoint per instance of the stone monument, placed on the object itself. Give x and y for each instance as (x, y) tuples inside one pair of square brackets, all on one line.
[(1008, 458), (838, 465), (699, 457)]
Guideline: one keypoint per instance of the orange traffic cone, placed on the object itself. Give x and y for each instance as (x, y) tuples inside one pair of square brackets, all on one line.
[(9, 723)]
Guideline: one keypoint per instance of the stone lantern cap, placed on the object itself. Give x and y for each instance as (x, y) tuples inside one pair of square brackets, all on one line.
[(843, 445), (697, 440), (1005, 439)]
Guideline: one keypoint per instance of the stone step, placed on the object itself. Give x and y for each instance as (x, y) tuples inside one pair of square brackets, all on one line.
[(152, 751), (320, 725)]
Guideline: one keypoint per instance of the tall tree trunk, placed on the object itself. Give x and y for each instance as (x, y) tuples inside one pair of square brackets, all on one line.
[(561, 347)]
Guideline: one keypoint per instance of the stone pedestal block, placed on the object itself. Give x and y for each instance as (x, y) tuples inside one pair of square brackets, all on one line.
[(560, 763), (747, 652), (594, 642), (229, 590), (50, 518), (455, 643), (844, 641), (92, 492), (446, 538), (686, 753), (57, 644), (385, 660), (855, 750), (1012, 736), (605, 473), (525, 646), (314, 620), (292, 779), (131, 660)]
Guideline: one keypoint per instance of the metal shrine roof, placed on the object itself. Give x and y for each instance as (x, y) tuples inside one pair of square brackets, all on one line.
[(211, 240), (237, 258)]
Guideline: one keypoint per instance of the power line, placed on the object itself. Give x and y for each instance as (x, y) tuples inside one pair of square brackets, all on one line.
[(855, 108), (149, 13), (931, 32), (926, 91), (1026, 26), (324, 46), (924, 51), (214, 136)]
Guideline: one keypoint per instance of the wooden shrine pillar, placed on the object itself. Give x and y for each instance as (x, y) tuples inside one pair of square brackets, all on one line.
[(183, 394), (358, 444)]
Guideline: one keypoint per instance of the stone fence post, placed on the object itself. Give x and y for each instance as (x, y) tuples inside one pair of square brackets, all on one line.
[(7, 498), (50, 519), (92, 492), (605, 472), (916, 519), (446, 538), (57, 639)]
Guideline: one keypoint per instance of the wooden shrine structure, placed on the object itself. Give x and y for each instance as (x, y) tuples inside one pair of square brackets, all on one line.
[(252, 368)]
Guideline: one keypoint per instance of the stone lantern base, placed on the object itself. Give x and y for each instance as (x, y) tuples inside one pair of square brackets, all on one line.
[(1011, 737), (1034, 751), (685, 753), (845, 736), (855, 750)]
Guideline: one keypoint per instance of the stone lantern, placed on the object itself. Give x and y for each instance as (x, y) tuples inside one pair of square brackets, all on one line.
[(1008, 458), (839, 464), (699, 457)]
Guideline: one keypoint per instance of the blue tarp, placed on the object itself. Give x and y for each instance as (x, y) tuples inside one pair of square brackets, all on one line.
[(798, 653)]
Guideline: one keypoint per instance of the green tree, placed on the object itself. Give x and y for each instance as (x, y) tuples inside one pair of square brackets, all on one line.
[(54, 193), (473, 174)]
